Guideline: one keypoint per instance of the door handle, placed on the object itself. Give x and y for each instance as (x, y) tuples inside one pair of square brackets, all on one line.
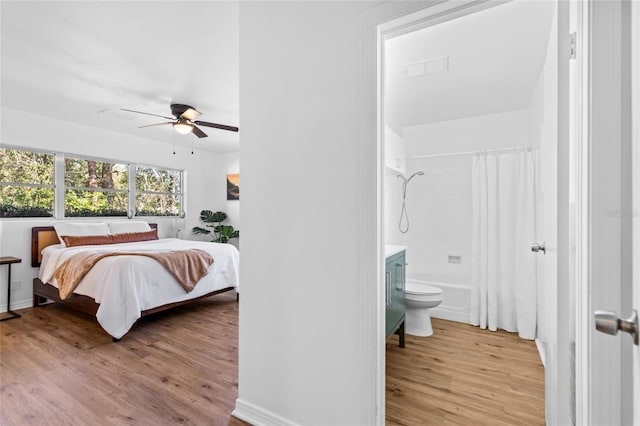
[(609, 323), (536, 247)]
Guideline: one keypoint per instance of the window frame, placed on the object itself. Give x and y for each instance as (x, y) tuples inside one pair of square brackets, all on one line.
[(65, 187), (135, 192), (59, 185), (33, 185)]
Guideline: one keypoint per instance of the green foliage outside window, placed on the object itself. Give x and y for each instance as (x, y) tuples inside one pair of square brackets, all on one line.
[(158, 191), (26, 183), (95, 188), (91, 187)]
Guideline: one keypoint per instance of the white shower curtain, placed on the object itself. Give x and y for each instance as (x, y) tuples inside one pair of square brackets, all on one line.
[(503, 290)]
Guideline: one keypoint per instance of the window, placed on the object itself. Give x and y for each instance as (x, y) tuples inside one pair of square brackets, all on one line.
[(95, 188), (26, 183), (86, 187), (158, 191)]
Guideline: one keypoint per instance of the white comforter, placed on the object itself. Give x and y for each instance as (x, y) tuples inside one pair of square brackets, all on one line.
[(124, 286)]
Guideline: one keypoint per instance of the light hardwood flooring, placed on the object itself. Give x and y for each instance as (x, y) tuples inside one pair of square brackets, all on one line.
[(462, 375), (58, 367)]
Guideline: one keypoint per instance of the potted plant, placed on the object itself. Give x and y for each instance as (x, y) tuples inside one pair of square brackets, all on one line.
[(220, 233)]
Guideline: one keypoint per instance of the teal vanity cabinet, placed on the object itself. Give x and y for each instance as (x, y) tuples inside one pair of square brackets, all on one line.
[(394, 282)]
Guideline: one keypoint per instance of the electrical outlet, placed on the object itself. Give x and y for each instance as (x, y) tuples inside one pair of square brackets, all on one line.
[(15, 285)]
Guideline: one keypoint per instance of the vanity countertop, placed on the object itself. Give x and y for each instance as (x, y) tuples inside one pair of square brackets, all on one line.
[(390, 250)]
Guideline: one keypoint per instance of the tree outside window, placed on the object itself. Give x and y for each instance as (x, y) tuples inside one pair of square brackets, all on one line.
[(91, 187), (158, 191), (26, 183), (95, 188)]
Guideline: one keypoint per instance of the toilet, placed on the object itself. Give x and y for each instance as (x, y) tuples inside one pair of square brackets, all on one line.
[(419, 299)]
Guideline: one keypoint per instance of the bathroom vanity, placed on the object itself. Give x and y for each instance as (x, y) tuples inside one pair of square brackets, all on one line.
[(394, 291)]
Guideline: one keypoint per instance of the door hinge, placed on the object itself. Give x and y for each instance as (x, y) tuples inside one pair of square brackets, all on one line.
[(572, 47)]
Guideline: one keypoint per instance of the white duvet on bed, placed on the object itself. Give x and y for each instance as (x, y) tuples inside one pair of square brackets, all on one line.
[(124, 286)]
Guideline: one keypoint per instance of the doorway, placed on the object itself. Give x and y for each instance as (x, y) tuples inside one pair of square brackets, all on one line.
[(450, 153)]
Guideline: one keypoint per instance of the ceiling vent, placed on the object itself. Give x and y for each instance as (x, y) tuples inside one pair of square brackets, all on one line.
[(428, 66)]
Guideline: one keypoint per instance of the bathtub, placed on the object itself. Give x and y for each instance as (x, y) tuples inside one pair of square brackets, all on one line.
[(455, 300)]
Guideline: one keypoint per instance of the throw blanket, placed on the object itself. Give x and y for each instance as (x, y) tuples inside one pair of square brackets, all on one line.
[(187, 266)]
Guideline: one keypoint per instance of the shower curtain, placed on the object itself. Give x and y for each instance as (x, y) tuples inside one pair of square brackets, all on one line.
[(503, 290)]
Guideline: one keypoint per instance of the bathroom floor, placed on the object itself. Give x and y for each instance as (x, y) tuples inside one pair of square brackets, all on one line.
[(464, 375)]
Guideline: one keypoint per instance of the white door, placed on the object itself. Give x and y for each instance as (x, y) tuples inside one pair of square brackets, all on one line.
[(611, 261), (635, 114)]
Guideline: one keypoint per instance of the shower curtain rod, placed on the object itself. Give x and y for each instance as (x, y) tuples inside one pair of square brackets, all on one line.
[(484, 151)]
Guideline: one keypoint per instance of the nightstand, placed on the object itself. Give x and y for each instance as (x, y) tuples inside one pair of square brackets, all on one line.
[(9, 260)]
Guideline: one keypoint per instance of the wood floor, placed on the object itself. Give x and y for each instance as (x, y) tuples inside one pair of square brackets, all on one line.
[(58, 367), (463, 375)]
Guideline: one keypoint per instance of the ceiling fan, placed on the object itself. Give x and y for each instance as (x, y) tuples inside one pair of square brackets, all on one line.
[(184, 120)]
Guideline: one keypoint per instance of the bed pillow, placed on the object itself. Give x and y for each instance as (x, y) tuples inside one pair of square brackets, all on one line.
[(81, 229), (133, 237), (129, 226), (96, 240)]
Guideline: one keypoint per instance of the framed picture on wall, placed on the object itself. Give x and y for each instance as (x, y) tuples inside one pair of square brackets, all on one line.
[(233, 186)]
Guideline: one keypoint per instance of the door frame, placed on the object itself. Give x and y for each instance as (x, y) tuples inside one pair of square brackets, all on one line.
[(395, 18)]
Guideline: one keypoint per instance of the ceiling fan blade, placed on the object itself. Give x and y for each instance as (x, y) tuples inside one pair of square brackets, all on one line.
[(199, 133), (146, 113), (157, 124), (217, 126)]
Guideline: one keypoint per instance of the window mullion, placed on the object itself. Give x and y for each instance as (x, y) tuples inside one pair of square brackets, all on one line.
[(183, 195), (58, 180), (132, 191)]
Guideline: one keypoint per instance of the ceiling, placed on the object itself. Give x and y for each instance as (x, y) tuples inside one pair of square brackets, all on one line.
[(83, 61), (494, 57)]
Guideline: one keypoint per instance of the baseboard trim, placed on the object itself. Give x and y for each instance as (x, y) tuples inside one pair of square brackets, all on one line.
[(18, 304), (257, 416)]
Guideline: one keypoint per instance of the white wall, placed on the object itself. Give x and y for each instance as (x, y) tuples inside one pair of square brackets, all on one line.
[(229, 163), (205, 178), (439, 203), (306, 351), (221, 165)]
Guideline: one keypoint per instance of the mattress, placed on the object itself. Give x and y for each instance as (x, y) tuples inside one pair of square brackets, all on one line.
[(124, 286)]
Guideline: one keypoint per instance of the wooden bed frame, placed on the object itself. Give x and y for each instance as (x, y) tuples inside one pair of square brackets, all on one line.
[(44, 236)]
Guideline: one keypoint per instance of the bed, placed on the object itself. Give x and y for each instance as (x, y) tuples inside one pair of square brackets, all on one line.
[(120, 289)]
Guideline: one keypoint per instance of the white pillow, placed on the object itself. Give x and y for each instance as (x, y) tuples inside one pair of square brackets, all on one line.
[(129, 226), (81, 229)]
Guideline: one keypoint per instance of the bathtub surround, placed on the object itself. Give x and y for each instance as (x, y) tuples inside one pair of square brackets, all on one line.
[(503, 278)]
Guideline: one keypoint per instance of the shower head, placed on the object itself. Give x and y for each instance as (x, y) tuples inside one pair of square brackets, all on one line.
[(420, 173)]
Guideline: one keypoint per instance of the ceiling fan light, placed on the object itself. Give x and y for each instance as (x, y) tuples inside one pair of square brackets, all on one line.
[(191, 114), (183, 128)]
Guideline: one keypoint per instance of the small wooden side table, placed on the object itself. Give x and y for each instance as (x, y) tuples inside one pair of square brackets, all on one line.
[(9, 260)]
